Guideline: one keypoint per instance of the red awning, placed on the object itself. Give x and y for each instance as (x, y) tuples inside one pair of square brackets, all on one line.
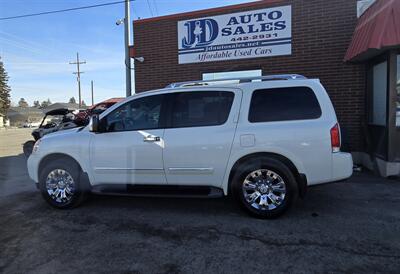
[(377, 29)]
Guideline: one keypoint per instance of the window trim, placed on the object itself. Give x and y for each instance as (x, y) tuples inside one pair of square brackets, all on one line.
[(282, 121), (385, 57), (370, 72), (170, 104), (397, 74), (161, 121)]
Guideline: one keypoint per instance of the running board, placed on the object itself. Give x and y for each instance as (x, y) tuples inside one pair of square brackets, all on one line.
[(173, 191)]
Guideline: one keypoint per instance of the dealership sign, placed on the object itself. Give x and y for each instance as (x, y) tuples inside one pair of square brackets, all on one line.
[(251, 34)]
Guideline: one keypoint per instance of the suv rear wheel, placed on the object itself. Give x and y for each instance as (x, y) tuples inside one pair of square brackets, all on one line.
[(60, 184), (265, 187)]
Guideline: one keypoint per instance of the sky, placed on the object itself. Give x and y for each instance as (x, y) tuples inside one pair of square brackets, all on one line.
[(36, 51)]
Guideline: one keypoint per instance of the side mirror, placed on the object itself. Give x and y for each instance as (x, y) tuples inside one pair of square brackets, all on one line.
[(94, 123)]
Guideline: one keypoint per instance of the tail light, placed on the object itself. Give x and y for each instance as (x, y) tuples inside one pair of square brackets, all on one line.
[(335, 138)]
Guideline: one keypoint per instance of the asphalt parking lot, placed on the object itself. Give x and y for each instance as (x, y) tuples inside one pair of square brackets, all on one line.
[(352, 226)]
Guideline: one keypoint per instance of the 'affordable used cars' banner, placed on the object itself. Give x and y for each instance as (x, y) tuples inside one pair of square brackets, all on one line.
[(250, 34)]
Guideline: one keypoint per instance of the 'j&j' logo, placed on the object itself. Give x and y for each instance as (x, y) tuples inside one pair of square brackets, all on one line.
[(200, 33)]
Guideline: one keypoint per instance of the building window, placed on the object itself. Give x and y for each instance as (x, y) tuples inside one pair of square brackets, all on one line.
[(398, 92), (231, 74), (379, 94)]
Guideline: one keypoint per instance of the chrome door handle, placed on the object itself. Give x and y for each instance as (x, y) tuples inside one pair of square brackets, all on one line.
[(151, 138)]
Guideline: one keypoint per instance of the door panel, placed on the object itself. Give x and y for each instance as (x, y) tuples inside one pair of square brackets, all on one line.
[(197, 156), (126, 158), (198, 144), (129, 148)]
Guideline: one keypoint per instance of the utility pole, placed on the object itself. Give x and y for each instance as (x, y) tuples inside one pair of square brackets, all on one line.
[(78, 78), (92, 92), (127, 27)]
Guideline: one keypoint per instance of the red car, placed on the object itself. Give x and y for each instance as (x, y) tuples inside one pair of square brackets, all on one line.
[(82, 118)]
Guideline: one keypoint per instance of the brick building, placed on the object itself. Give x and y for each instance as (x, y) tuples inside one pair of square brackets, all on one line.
[(321, 32)]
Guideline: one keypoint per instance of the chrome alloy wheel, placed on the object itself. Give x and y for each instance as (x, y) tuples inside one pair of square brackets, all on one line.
[(60, 186), (264, 189)]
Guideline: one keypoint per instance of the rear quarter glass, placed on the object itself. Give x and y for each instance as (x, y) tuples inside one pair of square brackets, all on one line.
[(283, 104)]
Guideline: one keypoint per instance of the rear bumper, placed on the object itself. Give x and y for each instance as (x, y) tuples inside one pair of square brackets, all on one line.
[(342, 166)]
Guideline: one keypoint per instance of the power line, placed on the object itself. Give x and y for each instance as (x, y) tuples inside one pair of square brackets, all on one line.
[(151, 10), (27, 43), (63, 10), (155, 7)]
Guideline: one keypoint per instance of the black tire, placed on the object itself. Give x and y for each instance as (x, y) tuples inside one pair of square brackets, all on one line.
[(276, 167), (72, 169), (28, 147)]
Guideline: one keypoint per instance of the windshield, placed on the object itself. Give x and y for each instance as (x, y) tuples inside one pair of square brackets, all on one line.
[(55, 120)]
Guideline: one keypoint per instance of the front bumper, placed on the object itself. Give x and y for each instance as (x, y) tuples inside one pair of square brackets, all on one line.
[(33, 167)]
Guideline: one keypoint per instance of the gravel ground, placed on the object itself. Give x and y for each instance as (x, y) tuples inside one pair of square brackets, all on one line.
[(352, 226)]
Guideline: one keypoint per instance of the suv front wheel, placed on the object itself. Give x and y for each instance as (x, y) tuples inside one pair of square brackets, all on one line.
[(60, 184), (265, 187)]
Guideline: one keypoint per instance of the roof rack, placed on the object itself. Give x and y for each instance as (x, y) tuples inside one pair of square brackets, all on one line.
[(240, 80)]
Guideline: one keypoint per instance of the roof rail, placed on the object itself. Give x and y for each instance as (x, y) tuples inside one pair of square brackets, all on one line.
[(240, 80)]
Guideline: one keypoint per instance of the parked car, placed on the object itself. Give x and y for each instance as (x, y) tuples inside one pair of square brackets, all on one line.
[(263, 140), (82, 118), (54, 120), (65, 118), (28, 124)]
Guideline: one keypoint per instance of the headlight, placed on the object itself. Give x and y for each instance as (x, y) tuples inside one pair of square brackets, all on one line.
[(36, 146)]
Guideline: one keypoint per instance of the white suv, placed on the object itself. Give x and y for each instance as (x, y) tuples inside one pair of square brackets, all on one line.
[(262, 139)]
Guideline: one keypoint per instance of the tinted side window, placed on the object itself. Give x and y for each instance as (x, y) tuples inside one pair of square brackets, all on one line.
[(282, 104), (195, 109), (142, 113)]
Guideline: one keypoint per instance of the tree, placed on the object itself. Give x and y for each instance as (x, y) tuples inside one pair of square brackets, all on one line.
[(36, 104), (83, 104), (45, 104), (4, 90), (23, 103), (72, 100)]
